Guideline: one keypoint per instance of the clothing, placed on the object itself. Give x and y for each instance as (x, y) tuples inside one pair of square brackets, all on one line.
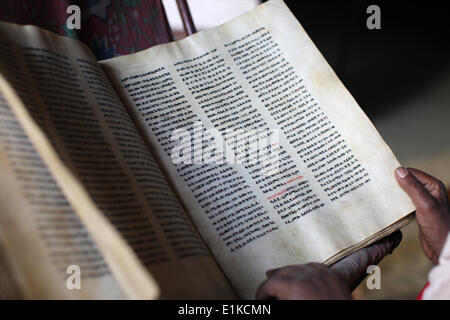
[(439, 277), (109, 28)]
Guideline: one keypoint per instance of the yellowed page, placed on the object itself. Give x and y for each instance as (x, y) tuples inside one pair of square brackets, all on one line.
[(48, 223), (73, 103), (334, 187)]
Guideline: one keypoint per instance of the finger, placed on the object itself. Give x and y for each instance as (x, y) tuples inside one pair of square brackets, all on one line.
[(271, 272), (373, 253), (270, 289), (352, 269), (263, 292), (416, 191), (378, 250), (433, 185)]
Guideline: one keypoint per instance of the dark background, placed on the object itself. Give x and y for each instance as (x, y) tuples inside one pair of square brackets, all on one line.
[(380, 67)]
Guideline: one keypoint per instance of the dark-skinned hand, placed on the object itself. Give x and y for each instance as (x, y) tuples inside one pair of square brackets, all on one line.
[(432, 209), (317, 281), (314, 281)]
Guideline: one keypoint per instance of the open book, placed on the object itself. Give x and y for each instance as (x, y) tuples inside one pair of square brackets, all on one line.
[(185, 170)]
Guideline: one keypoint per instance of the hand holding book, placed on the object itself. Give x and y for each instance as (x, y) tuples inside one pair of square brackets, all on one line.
[(315, 281), (432, 208), (318, 281)]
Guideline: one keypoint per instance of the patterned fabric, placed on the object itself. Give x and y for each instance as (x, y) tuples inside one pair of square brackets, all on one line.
[(109, 27)]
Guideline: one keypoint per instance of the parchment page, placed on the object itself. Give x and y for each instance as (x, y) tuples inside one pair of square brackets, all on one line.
[(321, 180), (72, 101), (45, 231)]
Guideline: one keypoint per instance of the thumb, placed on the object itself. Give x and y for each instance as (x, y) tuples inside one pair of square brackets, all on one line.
[(352, 268), (416, 191)]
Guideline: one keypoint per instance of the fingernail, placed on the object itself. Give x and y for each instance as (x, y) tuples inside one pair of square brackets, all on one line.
[(401, 172), (270, 271), (397, 239)]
